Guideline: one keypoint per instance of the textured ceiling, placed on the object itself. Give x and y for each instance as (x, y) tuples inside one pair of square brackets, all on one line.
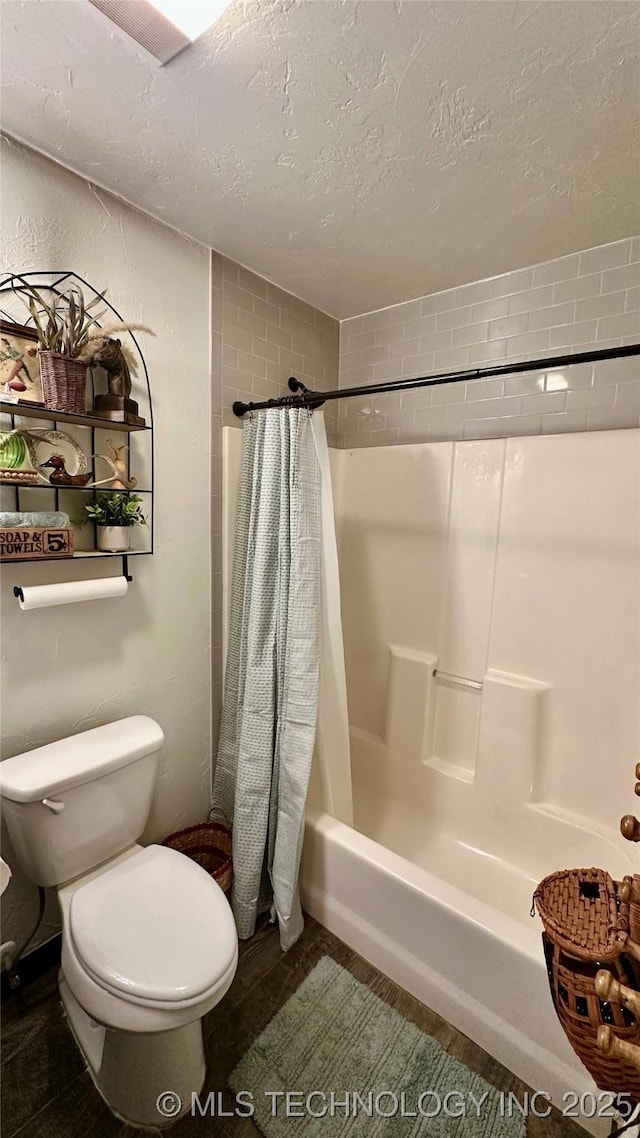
[(357, 154)]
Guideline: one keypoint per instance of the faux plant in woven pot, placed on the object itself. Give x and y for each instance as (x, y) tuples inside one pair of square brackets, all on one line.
[(64, 322), (114, 514)]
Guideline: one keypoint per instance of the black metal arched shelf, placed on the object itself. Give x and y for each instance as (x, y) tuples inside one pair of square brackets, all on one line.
[(14, 309)]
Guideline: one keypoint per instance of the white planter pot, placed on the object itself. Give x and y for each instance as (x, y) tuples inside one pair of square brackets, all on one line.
[(114, 539)]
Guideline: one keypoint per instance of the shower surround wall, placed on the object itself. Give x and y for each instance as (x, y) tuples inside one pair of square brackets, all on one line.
[(585, 300), (511, 564)]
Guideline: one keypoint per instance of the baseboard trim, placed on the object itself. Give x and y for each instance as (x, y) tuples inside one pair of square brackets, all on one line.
[(33, 965)]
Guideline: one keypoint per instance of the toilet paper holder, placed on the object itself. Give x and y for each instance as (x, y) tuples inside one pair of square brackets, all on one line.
[(19, 594)]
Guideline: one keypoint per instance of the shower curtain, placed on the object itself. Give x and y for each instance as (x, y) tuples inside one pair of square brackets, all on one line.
[(269, 715)]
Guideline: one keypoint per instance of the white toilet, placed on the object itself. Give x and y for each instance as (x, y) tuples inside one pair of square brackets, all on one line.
[(149, 944)]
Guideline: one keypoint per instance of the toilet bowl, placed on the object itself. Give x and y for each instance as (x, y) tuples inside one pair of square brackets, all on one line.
[(149, 943), (149, 946)]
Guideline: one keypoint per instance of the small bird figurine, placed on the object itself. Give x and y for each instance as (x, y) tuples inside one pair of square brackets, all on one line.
[(61, 477)]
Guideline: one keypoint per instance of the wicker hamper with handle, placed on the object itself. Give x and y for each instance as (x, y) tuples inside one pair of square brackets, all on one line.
[(634, 908), (586, 920), (210, 845)]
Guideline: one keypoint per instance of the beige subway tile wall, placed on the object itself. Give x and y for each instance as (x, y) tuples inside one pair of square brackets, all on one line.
[(268, 335), (585, 300), (260, 335)]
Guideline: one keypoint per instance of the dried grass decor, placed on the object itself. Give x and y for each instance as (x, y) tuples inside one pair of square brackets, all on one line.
[(69, 339)]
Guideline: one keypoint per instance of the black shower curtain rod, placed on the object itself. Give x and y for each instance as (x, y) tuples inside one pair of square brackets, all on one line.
[(317, 398)]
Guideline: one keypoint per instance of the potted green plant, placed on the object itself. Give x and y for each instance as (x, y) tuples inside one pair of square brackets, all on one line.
[(63, 322), (114, 514)]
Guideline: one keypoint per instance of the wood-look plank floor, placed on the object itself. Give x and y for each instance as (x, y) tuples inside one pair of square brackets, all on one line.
[(46, 1093)]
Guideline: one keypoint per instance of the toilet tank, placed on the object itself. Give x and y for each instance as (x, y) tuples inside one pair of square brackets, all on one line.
[(78, 802)]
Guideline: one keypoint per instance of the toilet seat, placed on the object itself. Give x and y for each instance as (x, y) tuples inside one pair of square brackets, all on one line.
[(155, 930)]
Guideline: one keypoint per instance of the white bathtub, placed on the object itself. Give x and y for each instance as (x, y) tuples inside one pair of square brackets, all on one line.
[(479, 968)]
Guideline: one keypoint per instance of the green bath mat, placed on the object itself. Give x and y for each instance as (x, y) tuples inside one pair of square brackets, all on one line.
[(346, 1059)]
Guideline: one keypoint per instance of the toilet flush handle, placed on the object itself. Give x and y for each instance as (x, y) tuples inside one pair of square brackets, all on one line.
[(53, 806)]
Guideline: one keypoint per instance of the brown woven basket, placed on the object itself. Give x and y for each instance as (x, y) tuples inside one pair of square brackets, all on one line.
[(581, 910), (633, 893), (64, 383), (586, 927), (210, 845)]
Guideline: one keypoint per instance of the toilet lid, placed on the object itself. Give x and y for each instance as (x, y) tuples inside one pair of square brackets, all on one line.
[(156, 926)]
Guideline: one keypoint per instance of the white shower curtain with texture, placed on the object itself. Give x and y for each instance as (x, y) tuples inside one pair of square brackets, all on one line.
[(272, 678)]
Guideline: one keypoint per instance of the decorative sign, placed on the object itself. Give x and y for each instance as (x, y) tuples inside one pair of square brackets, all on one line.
[(35, 543)]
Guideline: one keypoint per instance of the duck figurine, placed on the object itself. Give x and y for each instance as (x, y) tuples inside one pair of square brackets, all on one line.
[(61, 477)]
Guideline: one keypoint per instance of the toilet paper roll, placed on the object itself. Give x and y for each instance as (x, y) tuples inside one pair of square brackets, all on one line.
[(68, 592)]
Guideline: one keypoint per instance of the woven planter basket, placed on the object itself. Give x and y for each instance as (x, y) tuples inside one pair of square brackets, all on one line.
[(586, 925), (64, 383), (210, 845)]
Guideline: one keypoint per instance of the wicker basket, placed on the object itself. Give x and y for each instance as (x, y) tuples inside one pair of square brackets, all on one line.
[(586, 924), (633, 892), (64, 383), (209, 844)]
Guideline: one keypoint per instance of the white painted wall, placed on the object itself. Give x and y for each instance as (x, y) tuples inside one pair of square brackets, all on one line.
[(67, 669)]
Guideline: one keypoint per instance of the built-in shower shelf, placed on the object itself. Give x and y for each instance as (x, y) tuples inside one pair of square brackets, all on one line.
[(451, 770)]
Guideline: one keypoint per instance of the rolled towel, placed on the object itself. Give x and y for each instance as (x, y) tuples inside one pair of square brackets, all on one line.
[(53, 519)]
